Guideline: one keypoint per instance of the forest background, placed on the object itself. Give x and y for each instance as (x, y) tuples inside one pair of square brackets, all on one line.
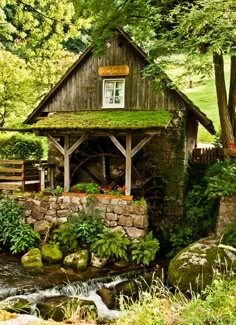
[(40, 39)]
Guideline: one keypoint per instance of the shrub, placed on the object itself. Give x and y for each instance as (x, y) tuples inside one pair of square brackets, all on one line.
[(111, 244), (82, 227), (14, 232), (144, 251), (19, 146)]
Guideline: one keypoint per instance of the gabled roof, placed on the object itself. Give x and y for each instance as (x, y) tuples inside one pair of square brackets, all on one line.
[(200, 116)]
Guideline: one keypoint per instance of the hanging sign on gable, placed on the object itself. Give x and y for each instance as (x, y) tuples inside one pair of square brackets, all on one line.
[(116, 70)]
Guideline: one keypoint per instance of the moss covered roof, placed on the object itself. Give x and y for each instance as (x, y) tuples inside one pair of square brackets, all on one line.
[(105, 120)]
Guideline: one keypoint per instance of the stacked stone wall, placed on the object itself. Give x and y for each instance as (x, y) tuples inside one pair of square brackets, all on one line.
[(226, 215), (117, 214)]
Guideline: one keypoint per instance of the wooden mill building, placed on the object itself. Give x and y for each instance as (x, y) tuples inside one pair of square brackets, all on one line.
[(106, 123)]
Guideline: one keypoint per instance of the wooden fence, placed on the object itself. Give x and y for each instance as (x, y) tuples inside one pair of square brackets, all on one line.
[(205, 156), (15, 174)]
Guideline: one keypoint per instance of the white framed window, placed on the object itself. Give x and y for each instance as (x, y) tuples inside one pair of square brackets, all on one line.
[(113, 93)]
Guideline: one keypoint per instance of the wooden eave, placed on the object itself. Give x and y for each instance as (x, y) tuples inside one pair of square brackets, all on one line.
[(201, 117)]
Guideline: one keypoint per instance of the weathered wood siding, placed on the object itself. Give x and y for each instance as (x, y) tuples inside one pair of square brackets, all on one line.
[(82, 90)]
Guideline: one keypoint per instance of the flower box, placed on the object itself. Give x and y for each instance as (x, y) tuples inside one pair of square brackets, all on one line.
[(109, 196)]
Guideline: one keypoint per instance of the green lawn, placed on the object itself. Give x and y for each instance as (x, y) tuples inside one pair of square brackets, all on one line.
[(203, 94)]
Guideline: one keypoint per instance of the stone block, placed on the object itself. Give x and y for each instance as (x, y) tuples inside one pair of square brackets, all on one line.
[(125, 220), (30, 220), (140, 221), (61, 220), (53, 205), (129, 208), (50, 219), (111, 216), (62, 213), (118, 209), (110, 208), (75, 200), (135, 232), (52, 199), (36, 202), (115, 201), (119, 228), (27, 213), (140, 209), (105, 201), (66, 199), (51, 212), (113, 223), (42, 226)]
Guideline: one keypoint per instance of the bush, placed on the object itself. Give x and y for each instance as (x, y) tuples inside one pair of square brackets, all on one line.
[(111, 244), (14, 232), (80, 228), (20, 146), (144, 251)]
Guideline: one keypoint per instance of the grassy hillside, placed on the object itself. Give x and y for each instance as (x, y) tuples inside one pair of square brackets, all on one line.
[(203, 94)]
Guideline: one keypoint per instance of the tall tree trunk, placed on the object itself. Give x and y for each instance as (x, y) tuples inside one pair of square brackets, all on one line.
[(226, 126), (232, 92)]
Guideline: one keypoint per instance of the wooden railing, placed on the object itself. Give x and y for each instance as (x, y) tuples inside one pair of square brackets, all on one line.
[(205, 156), (16, 174)]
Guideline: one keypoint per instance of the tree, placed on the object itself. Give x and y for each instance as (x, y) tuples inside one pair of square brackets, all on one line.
[(33, 33), (200, 28)]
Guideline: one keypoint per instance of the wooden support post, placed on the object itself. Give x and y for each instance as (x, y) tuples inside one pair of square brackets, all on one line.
[(128, 164), (66, 164)]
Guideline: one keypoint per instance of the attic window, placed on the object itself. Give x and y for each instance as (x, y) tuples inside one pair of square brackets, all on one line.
[(113, 93)]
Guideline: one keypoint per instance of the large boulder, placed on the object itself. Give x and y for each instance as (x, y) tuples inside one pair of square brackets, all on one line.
[(32, 261), (51, 253), (78, 261), (193, 268)]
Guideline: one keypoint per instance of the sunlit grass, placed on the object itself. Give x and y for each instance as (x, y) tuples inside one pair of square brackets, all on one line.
[(203, 94)]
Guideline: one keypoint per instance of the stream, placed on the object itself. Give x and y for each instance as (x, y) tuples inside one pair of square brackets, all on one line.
[(58, 281)]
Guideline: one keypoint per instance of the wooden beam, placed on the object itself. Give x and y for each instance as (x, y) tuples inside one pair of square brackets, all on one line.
[(77, 143), (118, 144), (128, 164), (56, 144), (141, 144), (66, 164)]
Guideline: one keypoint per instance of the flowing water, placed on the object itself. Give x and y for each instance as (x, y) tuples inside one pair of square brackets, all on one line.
[(57, 281)]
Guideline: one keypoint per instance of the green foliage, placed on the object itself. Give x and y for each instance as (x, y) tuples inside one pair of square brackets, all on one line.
[(82, 227), (144, 251), (89, 188), (53, 191), (14, 232), (229, 235), (20, 146), (111, 244), (217, 307), (221, 179)]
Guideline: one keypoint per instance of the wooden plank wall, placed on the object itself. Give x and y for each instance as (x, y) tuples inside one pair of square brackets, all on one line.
[(83, 90)]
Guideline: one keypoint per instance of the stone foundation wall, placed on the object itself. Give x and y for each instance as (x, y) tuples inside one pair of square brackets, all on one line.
[(117, 214), (227, 214)]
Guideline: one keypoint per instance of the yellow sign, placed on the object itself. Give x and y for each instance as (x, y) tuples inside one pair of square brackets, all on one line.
[(116, 70)]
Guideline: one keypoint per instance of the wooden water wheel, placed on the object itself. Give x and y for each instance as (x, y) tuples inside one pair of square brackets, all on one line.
[(99, 161)]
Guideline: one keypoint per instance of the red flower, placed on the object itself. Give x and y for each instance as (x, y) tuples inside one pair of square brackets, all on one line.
[(79, 191), (74, 188), (122, 190), (100, 189), (110, 188)]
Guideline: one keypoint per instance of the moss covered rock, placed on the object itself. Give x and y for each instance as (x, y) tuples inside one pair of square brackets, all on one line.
[(78, 261), (194, 267), (51, 253), (32, 261)]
